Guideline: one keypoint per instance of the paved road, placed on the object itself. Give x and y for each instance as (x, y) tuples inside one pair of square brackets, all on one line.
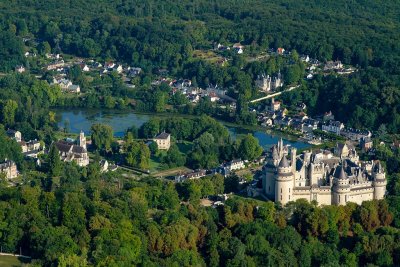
[(276, 94)]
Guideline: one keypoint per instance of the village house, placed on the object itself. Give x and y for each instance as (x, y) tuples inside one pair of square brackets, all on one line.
[(103, 165), (109, 65), (332, 127), (66, 85), (163, 141), (280, 50), (366, 144), (235, 164), (84, 67), (13, 134), (305, 58), (328, 116), (20, 69), (213, 97), (310, 125), (31, 149), (274, 105), (132, 72), (56, 65), (333, 65), (197, 174), (355, 134), (9, 168)]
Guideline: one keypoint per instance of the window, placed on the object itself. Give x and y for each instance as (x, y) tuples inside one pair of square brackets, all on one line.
[(281, 190), (299, 184), (269, 188), (289, 190), (281, 197)]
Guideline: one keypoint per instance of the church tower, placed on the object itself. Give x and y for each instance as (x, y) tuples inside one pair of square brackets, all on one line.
[(284, 182), (379, 181), (82, 140)]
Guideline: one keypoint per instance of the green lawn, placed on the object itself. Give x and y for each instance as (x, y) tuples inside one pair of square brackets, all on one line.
[(185, 146), (11, 261)]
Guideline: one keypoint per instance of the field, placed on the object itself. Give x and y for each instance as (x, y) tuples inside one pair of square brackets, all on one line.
[(11, 261), (172, 172), (207, 55)]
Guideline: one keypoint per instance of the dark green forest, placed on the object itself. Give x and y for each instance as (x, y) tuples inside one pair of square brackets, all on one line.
[(63, 215), (164, 34)]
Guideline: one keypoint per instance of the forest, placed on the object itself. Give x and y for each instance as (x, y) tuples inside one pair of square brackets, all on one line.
[(64, 215), (164, 34)]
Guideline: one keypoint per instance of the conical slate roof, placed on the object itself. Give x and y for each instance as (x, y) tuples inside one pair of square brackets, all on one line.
[(284, 163), (275, 153), (342, 174)]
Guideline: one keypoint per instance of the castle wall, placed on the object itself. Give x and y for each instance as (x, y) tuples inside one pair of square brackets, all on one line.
[(269, 188), (360, 195), (322, 195)]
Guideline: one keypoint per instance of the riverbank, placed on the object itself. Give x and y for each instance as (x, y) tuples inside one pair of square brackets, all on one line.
[(78, 120)]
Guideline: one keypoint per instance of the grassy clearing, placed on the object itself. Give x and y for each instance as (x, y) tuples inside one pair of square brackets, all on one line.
[(172, 172), (11, 261), (206, 55), (185, 146)]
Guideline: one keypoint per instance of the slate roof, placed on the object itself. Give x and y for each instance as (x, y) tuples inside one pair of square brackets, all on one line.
[(284, 162), (163, 135)]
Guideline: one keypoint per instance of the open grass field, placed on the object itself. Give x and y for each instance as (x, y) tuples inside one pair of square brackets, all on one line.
[(172, 172), (11, 261), (206, 55)]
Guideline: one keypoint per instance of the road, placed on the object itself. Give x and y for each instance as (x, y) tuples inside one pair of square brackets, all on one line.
[(275, 94)]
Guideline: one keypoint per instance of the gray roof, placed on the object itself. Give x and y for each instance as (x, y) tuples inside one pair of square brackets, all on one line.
[(162, 135), (63, 146), (284, 162), (275, 153), (340, 173)]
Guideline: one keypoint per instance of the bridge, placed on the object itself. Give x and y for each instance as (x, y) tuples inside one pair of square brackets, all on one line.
[(275, 94)]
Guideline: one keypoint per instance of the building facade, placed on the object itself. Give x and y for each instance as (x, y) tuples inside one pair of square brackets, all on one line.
[(163, 141), (9, 168), (76, 152), (322, 177)]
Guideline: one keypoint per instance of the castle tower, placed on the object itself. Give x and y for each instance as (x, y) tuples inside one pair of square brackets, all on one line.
[(270, 173), (284, 182), (82, 140), (280, 148), (341, 187), (293, 151), (379, 182)]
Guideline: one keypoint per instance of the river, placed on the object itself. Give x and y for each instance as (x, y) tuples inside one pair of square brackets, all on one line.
[(81, 120)]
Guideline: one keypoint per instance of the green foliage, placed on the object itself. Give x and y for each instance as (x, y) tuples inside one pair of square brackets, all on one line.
[(174, 158), (249, 148), (102, 137), (137, 154), (55, 164), (11, 51)]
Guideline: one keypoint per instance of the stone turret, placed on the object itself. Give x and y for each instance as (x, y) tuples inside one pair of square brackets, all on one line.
[(82, 140), (293, 151), (270, 171), (341, 186), (284, 182), (379, 182)]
